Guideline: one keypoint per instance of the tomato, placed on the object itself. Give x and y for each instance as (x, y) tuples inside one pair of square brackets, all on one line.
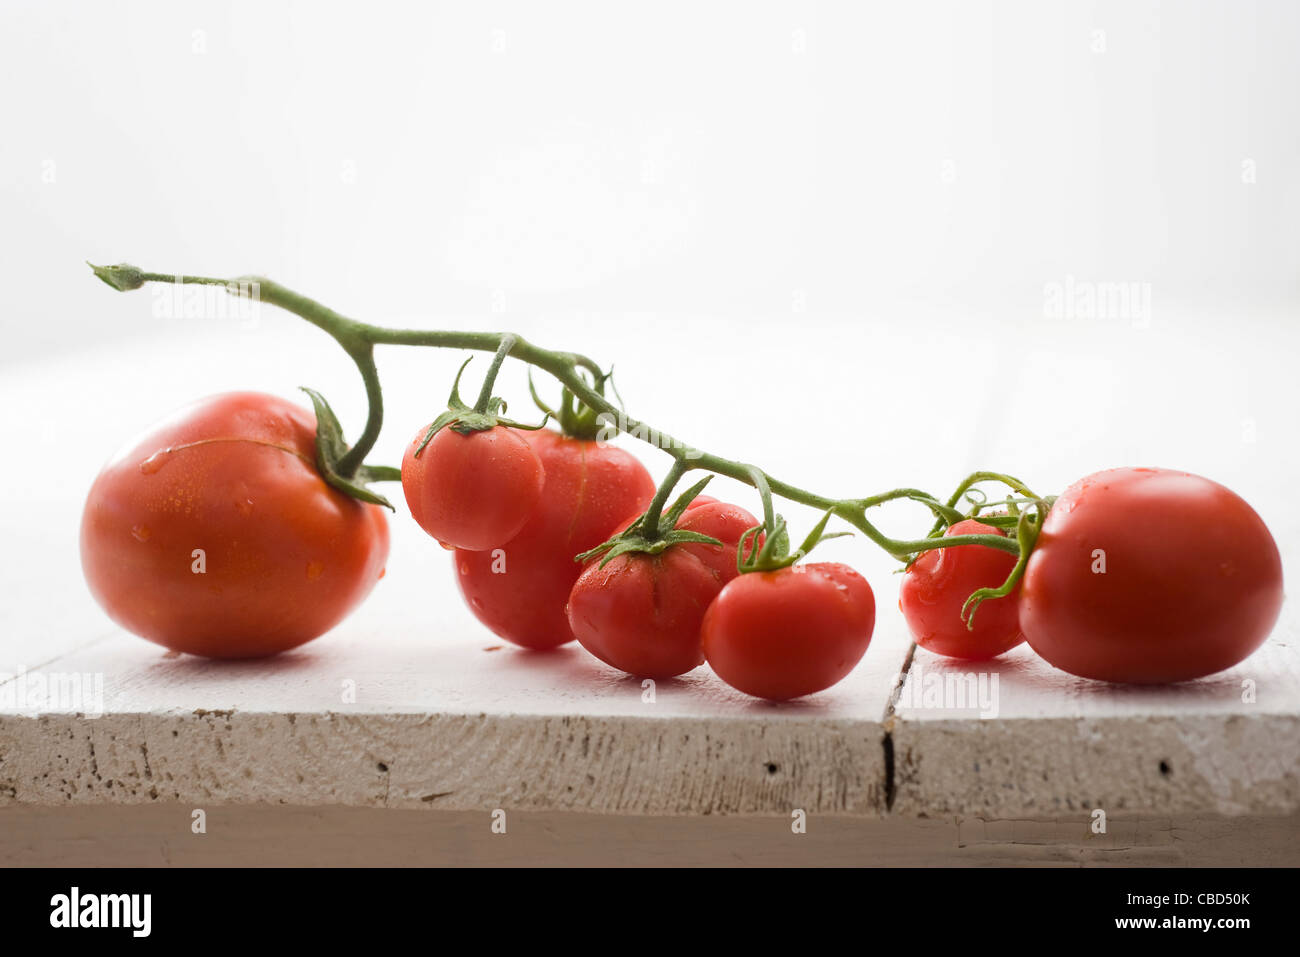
[(701, 500), (472, 491), (215, 535), (787, 633), (725, 522), (641, 612), (520, 589), (936, 586), (1150, 576)]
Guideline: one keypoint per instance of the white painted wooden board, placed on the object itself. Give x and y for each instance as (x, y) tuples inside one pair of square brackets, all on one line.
[(447, 716)]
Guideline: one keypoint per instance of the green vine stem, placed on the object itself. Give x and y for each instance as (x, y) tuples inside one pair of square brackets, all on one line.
[(358, 339), (650, 523), (973, 479), (485, 393), (1028, 524)]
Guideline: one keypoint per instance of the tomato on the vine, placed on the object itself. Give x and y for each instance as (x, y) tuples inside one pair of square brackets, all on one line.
[(701, 500), (641, 611), (725, 522), (791, 632), (520, 589), (215, 534), (1150, 576), (936, 586), (473, 491)]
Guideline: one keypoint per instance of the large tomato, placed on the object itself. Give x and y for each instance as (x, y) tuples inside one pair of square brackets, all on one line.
[(641, 612), (519, 590), (1150, 576), (215, 534), (936, 586)]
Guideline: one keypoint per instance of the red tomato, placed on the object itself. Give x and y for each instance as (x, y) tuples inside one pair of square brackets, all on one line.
[(519, 590), (215, 535), (701, 500), (936, 586), (779, 635), (720, 520), (1150, 576), (641, 613), (472, 491)]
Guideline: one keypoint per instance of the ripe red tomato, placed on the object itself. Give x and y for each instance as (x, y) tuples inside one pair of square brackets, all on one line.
[(783, 634), (641, 613), (725, 522), (1150, 576), (215, 534), (519, 589), (936, 586), (472, 491), (701, 500)]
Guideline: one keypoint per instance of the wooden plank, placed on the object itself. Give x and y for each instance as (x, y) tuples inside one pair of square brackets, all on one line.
[(159, 835), (451, 719), (1055, 743)]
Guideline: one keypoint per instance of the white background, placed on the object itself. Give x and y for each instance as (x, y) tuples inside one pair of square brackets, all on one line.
[(814, 236), (717, 160)]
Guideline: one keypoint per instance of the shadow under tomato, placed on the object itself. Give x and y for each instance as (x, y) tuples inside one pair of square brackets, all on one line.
[(807, 705), (197, 669), (1002, 666), (1216, 686), (631, 683)]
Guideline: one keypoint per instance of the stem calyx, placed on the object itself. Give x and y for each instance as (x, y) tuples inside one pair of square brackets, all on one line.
[(653, 534), (1028, 524), (775, 552), (577, 420), (331, 450), (486, 413)]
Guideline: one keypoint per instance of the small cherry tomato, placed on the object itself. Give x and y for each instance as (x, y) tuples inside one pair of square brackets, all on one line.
[(641, 612), (936, 586), (472, 491), (701, 500), (1150, 576), (215, 535), (725, 522), (787, 633), (520, 589)]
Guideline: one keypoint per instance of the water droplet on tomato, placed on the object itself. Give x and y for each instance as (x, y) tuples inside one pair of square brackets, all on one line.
[(464, 569), (383, 571), (476, 604), (450, 548), (140, 533), (314, 570), (244, 505), (156, 461)]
